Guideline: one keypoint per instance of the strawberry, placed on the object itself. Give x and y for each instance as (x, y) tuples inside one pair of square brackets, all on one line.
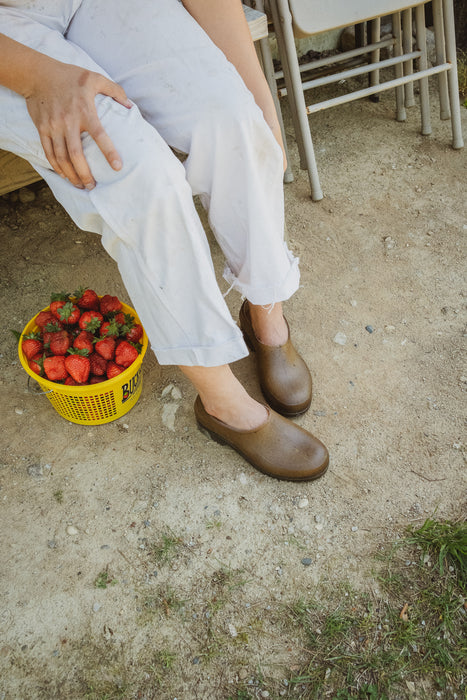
[(125, 353), (97, 380), (31, 345), (49, 330), (86, 298), (54, 368), (111, 328), (43, 318), (36, 363), (59, 343), (135, 333), (78, 365), (69, 381), (98, 364), (84, 341), (57, 301), (109, 303), (69, 313), (113, 370), (120, 317), (90, 321), (106, 347)]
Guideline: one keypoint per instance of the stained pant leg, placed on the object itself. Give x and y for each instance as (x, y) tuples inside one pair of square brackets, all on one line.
[(195, 98)]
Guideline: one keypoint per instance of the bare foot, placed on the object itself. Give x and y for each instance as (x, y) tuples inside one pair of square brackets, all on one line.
[(269, 324), (225, 398)]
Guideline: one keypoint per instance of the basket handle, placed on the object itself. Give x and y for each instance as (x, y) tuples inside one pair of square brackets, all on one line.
[(37, 393)]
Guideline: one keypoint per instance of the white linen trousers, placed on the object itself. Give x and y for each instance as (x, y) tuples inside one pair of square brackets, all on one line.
[(188, 96)]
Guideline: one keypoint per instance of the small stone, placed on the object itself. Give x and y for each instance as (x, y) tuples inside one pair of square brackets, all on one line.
[(340, 338), (369, 329), (26, 196), (71, 530), (195, 660), (264, 694), (243, 478), (306, 561), (176, 393), (242, 674), (318, 518), (319, 413), (51, 544), (354, 528), (19, 411), (389, 328), (353, 302), (303, 503), (36, 471), (167, 390), (232, 630), (96, 607)]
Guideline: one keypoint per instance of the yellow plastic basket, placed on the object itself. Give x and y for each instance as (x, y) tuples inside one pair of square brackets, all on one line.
[(95, 403)]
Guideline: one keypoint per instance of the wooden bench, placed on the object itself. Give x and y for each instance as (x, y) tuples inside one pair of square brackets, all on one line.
[(16, 172)]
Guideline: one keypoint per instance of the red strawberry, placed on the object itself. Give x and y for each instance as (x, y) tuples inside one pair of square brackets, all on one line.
[(55, 369), (57, 301), (78, 365), (84, 341), (98, 364), (69, 313), (120, 317), (36, 364), (90, 321), (59, 343), (69, 381), (106, 347), (125, 354), (31, 345), (97, 380), (43, 318), (135, 333), (109, 303), (113, 370), (86, 298), (110, 328)]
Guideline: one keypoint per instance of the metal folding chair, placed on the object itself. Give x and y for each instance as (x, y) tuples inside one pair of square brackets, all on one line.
[(293, 18)]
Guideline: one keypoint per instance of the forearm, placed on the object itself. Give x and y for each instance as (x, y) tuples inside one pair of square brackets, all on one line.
[(20, 66)]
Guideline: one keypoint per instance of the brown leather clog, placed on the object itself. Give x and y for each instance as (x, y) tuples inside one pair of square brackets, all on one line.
[(278, 448), (284, 378)]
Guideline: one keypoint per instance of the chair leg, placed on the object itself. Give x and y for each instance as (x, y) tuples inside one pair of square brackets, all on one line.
[(450, 38), (440, 47), (282, 20), (424, 92), (375, 36), (407, 45), (401, 114)]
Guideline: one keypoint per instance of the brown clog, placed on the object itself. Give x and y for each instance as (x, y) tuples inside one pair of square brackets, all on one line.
[(284, 378), (278, 448)]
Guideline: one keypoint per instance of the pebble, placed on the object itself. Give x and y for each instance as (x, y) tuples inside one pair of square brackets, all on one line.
[(306, 561), (51, 544), (303, 503), (232, 630), (25, 196), (195, 660), (96, 607), (71, 530), (388, 242), (19, 411), (243, 478), (36, 471), (354, 528), (369, 329), (340, 338)]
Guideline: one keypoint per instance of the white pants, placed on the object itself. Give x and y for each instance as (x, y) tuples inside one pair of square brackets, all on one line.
[(189, 96)]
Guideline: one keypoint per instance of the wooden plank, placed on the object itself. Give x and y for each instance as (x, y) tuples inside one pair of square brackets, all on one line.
[(15, 172), (257, 22)]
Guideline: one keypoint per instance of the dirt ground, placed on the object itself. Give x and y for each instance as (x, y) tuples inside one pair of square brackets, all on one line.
[(203, 554)]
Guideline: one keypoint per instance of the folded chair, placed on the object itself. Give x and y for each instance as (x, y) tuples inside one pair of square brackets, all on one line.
[(299, 18)]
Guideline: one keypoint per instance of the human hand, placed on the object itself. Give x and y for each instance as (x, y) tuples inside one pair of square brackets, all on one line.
[(61, 105)]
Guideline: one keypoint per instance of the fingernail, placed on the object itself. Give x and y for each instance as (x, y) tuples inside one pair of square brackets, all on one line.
[(116, 164), (128, 104), (90, 185)]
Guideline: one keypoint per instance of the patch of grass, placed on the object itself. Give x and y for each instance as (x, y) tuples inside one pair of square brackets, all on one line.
[(164, 600), (104, 579), (58, 495), (166, 548), (376, 648)]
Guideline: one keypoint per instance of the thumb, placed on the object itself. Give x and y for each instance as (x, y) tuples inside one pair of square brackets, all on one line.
[(114, 90)]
